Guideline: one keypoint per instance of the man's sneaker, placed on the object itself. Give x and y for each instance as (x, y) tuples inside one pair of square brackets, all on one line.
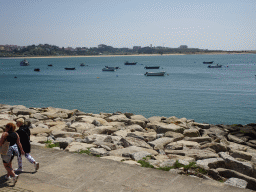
[(36, 166), (15, 178), (18, 169), (6, 177)]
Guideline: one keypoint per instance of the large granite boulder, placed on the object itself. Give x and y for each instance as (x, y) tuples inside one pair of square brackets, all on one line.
[(147, 136), (211, 163), (228, 173), (160, 143), (197, 154), (77, 146), (132, 141), (191, 133), (119, 118), (245, 168), (130, 150)]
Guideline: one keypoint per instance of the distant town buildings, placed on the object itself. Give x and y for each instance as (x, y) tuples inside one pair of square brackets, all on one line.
[(183, 47)]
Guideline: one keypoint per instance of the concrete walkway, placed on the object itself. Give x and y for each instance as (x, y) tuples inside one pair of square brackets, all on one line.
[(64, 171)]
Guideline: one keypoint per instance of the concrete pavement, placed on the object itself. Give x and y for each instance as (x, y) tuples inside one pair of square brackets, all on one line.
[(66, 172)]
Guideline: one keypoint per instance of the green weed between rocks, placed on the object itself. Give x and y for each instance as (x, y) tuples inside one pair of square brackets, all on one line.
[(49, 144), (177, 165), (88, 152), (85, 151)]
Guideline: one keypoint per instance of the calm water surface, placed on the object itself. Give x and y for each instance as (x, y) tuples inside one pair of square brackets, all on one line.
[(218, 96)]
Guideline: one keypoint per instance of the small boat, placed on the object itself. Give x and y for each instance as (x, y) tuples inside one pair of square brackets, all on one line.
[(70, 68), (155, 73), (214, 66), (207, 62), (106, 68), (24, 63), (112, 67), (128, 63), (151, 67), (37, 69), (82, 64), (50, 65)]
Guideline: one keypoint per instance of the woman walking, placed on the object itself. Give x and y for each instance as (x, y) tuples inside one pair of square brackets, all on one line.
[(12, 137), (24, 134)]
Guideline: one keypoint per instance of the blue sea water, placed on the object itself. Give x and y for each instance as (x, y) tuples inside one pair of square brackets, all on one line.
[(224, 95)]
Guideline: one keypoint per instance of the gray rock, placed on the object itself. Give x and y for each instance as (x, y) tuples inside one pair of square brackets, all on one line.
[(64, 142), (211, 163), (160, 143), (130, 150), (132, 141), (139, 155), (96, 122), (191, 133), (236, 182), (241, 155), (241, 167), (235, 139), (98, 151), (217, 147), (183, 162), (163, 128), (227, 173), (202, 125), (174, 146), (198, 139), (167, 163), (197, 154), (175, 136)]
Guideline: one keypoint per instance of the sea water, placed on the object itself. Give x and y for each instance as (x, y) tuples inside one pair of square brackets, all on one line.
[(189, 89)]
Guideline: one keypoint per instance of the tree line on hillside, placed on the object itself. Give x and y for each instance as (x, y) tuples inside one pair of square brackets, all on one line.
[(52, 50)]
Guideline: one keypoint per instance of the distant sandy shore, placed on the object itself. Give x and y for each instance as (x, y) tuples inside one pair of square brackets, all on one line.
[(212, 53)]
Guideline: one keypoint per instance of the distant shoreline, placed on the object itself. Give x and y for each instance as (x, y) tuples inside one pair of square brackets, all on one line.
[(134, 55)]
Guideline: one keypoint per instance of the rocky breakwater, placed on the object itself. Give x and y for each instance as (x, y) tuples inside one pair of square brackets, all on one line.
[(226, 153)]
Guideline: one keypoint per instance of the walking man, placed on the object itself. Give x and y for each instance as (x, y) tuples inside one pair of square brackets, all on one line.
[(24, 134)]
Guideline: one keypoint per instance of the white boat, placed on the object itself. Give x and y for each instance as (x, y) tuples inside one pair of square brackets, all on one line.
[(108, 69), (24, 63), (162, 73)]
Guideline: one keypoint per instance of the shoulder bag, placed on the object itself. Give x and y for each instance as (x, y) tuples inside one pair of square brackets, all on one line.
[(4, 148)]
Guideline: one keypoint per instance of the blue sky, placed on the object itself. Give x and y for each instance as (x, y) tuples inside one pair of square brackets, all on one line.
[(206, 24)]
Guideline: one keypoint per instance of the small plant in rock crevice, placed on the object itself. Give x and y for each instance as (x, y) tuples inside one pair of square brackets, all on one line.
[(49, 144)]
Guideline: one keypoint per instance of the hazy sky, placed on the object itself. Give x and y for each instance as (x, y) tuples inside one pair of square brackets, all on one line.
[(206, 24)]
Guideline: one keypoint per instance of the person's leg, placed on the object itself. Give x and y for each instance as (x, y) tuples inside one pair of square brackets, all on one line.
[(8, 167), (32, 160), (19, 158)]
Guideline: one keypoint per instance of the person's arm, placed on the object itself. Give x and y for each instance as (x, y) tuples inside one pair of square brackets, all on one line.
[(19, 144), (3, 138)]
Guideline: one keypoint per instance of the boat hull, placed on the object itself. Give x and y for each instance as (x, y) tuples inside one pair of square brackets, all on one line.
[(216, 66), (207, 62), (70, 68), (154, 74), (152, 67), (106, 69), (127, 63)]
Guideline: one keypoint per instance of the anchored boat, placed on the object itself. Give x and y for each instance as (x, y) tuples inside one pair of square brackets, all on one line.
[(130, 63), (214, 66), (207, 62), (162, 73), (24, 63), (106, 68), (151, 67)]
